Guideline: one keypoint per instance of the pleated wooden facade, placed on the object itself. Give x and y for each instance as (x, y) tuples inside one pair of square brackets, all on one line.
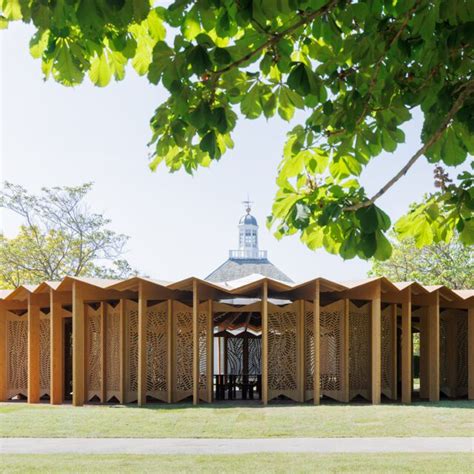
[(144, 341)]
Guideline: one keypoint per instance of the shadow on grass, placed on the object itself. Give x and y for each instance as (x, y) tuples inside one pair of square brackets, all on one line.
[(256, 404)]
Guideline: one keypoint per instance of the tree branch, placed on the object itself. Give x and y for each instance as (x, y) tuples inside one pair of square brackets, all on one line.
[(467, 90), (275, 38)]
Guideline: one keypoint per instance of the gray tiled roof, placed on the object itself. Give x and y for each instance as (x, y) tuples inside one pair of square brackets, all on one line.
[(233, 269)]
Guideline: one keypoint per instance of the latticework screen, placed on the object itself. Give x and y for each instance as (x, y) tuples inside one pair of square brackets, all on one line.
[(388, 352), (444, 353), (331, 350), (255, 355), (309, 352), (203, 324), (462, 355), (359, 351), (17, 355), (131, 312), (45, 354), (93, 357), (112, 352), (282, 351), (156, 351), (453, 353), (183, 317), (235, 355)]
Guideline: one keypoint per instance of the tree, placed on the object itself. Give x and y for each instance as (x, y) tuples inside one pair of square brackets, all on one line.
[(356, 68), (59, 237), (450, 264)]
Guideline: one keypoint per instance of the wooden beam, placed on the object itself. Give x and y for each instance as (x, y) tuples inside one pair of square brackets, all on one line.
[(433, 316), (300, 369), (33, 350), (317, 344), (394, 330), (376, 347), (265, 342), (195, 344), (407, 352), (57, 349), (345, 353), (103, 345), (142, 362), (78, 345), (470, 352), (123, 349), (3, 355), (170, 355), (210, 352)]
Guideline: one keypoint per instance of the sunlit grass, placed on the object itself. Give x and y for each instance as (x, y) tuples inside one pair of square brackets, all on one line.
[(446, 418), (274, 463)]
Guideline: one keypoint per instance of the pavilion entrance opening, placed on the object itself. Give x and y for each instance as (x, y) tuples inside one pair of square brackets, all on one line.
[(237, 356)]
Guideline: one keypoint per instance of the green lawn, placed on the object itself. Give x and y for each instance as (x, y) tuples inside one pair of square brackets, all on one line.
[(445, 418), (278, 463)]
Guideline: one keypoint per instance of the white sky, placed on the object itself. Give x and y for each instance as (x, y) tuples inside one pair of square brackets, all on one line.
[(179, 225)]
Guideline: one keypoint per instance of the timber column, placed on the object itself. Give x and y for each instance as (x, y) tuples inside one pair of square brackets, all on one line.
[(406, 347), (433, 322), (470, 351), (210, 352), (123, 353), (3, 354), (171, 359), (78, 345), (195, 344), (142, 323), (345, 382), (300, 369), (317, 344), (33, 350), (265, 343), (376, 345), (57, 353)]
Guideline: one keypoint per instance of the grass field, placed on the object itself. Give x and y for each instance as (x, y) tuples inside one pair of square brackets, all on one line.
[(274, 463), (447, 418)]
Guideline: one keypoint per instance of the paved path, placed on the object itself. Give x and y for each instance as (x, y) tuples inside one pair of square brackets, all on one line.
[(232, 446)]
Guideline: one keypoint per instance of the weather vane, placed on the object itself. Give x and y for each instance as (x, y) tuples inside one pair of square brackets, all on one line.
[(247, 204)]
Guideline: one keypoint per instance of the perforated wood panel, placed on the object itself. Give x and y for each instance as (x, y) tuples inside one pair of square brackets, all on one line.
[(17, 355), (444, 355), (359, 351), (203, 324), (157, 350), (462, 354), (255, 356), (388, 353), (453, 353), (112, 352), (309, 352), (282, 351), (183, 316), (235, 351), (93, 354), (332, 333), (131, 312), (45, 354)]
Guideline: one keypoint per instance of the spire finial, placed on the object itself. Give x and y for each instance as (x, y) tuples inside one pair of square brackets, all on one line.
[(247, 204)]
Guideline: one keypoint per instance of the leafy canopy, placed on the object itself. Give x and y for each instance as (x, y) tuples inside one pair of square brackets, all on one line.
[(450, 264), (59, 236), (356, 69)]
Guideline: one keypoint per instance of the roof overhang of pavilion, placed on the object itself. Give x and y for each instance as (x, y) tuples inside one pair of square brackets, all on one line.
[(251, 286)]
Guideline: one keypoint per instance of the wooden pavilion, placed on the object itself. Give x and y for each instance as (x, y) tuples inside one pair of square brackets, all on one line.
[(144, 340)]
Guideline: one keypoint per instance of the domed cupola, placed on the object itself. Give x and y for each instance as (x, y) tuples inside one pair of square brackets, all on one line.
[(248, 236), (247, 259)]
